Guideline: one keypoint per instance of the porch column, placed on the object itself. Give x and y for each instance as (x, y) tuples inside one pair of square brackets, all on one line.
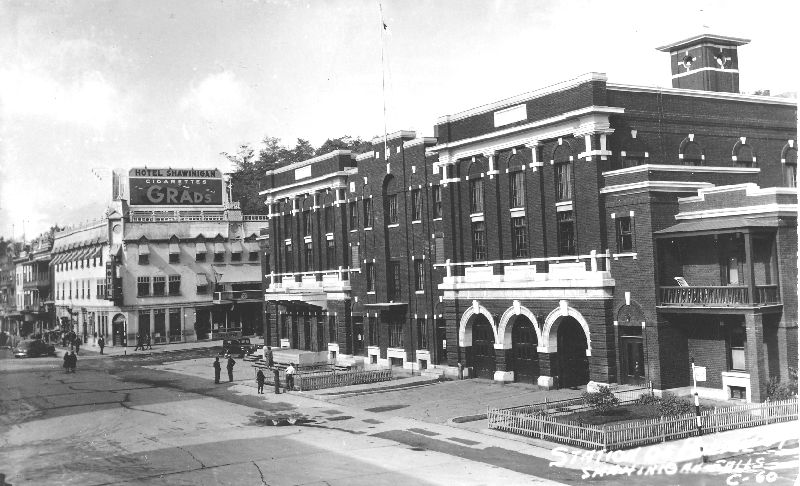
[(755, 356), (501, 358), (751, 279)]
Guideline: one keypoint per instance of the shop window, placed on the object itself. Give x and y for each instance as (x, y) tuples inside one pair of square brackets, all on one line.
[(625, 234)]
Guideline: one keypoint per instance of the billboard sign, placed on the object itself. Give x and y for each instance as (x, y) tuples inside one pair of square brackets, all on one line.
[(175, 187)]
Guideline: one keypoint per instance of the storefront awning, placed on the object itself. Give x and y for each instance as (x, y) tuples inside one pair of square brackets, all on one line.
[(144, 248), (252, 246), (230, 274), (58, 259), (200, 247), (219, 247), (174, 248), (202, 280), (236, 247)]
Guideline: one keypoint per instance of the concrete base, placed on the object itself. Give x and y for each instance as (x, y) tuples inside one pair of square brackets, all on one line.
[(300, 357), (545, 382), (504, 376)]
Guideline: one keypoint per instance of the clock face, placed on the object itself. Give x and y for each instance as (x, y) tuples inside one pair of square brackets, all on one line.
[(117, 229)]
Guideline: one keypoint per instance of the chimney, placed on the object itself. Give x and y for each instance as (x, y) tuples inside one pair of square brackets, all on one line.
[(706, 62)]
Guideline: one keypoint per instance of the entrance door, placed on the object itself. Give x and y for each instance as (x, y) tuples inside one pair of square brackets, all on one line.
[(441, 341), (118, 330), (358, 335), (525, 361), (295, 334), (632, 360), (483, 348), (573, 364)]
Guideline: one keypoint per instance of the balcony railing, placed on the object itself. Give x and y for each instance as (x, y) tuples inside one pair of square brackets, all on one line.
[(238, 295), (718, 296)]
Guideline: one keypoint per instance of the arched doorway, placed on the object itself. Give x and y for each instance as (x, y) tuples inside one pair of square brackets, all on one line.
[(524, 359), (573, 364), (482, 347), (118, 337)]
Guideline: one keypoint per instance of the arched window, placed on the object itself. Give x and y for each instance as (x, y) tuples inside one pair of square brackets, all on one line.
[(690, 152), (789, 164), (743, 154)]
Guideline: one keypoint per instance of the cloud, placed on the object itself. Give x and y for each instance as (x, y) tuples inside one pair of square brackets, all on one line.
[(88, 99), (219, 99)]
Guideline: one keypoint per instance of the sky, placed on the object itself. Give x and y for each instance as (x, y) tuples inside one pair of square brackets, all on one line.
[(91, 85)]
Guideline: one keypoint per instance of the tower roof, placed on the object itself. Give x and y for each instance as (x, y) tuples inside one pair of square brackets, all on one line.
[(699, 39)]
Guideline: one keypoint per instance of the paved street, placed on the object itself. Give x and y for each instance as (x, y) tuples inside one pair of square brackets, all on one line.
[(159, 419)]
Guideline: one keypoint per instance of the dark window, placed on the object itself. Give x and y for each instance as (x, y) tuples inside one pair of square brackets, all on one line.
[(353, 215), (738, 392), (329, 219), (517, 189), (624, 234), (159, 285), (790, 169), (372, 324), (370, 276), (308, 257), (419, 274), (395, 286), (476, 196), (391, 209), (144, 259), (200, 250), (330, 253), (368, 215), (563, 181), (478, 241), (174, 285), (566, 233), (159, 323), (438, 249), (252, 255), (422, 333), (396, 334), (174, 258), (289, 258), (437, 201), (202, 285), (736, 340), (416, 205), (236, 256), (307, 222), (142, 287), (219, 252), (332, 330), (519, 237)]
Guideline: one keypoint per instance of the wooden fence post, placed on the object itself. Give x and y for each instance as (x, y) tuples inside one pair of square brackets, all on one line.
[(663, 429)]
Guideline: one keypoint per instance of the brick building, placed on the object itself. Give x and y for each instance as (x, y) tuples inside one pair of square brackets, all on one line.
[(524, 240)]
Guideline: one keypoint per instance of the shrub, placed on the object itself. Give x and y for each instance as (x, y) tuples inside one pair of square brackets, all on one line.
[(777, 390), (671, 405), (647, 399), (602, 400)]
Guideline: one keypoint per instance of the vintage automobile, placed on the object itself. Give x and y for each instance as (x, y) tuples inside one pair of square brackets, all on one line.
[(240, 347), (31, 348)]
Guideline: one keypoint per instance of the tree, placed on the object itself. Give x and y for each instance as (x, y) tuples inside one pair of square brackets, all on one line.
[(356, 145)]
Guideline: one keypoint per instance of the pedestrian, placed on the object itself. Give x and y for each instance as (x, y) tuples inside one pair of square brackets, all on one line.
[(217, 369), (268, 357), (66, 361), (138, 342), (290, 377), (73, 361), (260, 381), (149, 342), (277, 375), (102, 343), (231, 363), (77, 345)]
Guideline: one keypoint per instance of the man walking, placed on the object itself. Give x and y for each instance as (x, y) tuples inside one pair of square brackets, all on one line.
[(101, 343), (290, 377), (138, 343), (217, 369), (260, 381), (231, 363), (268, 356)]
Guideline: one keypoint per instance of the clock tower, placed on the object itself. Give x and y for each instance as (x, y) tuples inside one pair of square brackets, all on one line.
[(706, 62)]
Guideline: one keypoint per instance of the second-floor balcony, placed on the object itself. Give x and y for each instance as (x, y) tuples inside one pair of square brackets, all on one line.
[(308, 288), (719, 296)]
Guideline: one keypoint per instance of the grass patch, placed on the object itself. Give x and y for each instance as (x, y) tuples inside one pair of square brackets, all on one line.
[(625, 413)]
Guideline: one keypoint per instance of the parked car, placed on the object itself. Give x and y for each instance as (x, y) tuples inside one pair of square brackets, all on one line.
[(241, 346), (31, 348)]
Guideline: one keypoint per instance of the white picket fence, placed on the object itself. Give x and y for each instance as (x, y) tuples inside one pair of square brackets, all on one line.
[(536, 422)]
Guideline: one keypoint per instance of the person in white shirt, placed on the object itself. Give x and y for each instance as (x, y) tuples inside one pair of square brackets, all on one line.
[(290, 377)]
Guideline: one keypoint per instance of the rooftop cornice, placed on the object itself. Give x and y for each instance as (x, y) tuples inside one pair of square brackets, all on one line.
[(394, 135), (720, 39), (704, 94), (306, 162)]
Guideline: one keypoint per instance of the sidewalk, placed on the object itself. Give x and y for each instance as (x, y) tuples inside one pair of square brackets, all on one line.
[(92, 350)]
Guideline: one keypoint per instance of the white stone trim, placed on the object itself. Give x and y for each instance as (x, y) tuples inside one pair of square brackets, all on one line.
[(465, 329), (516, 310), (702, 94), (522, 98), (779, 209), (682, 168), (692, 71), (563, 310), (656, 186), (750, 189)]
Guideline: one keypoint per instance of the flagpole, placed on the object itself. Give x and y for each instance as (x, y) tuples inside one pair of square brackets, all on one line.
[(383, 84)]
